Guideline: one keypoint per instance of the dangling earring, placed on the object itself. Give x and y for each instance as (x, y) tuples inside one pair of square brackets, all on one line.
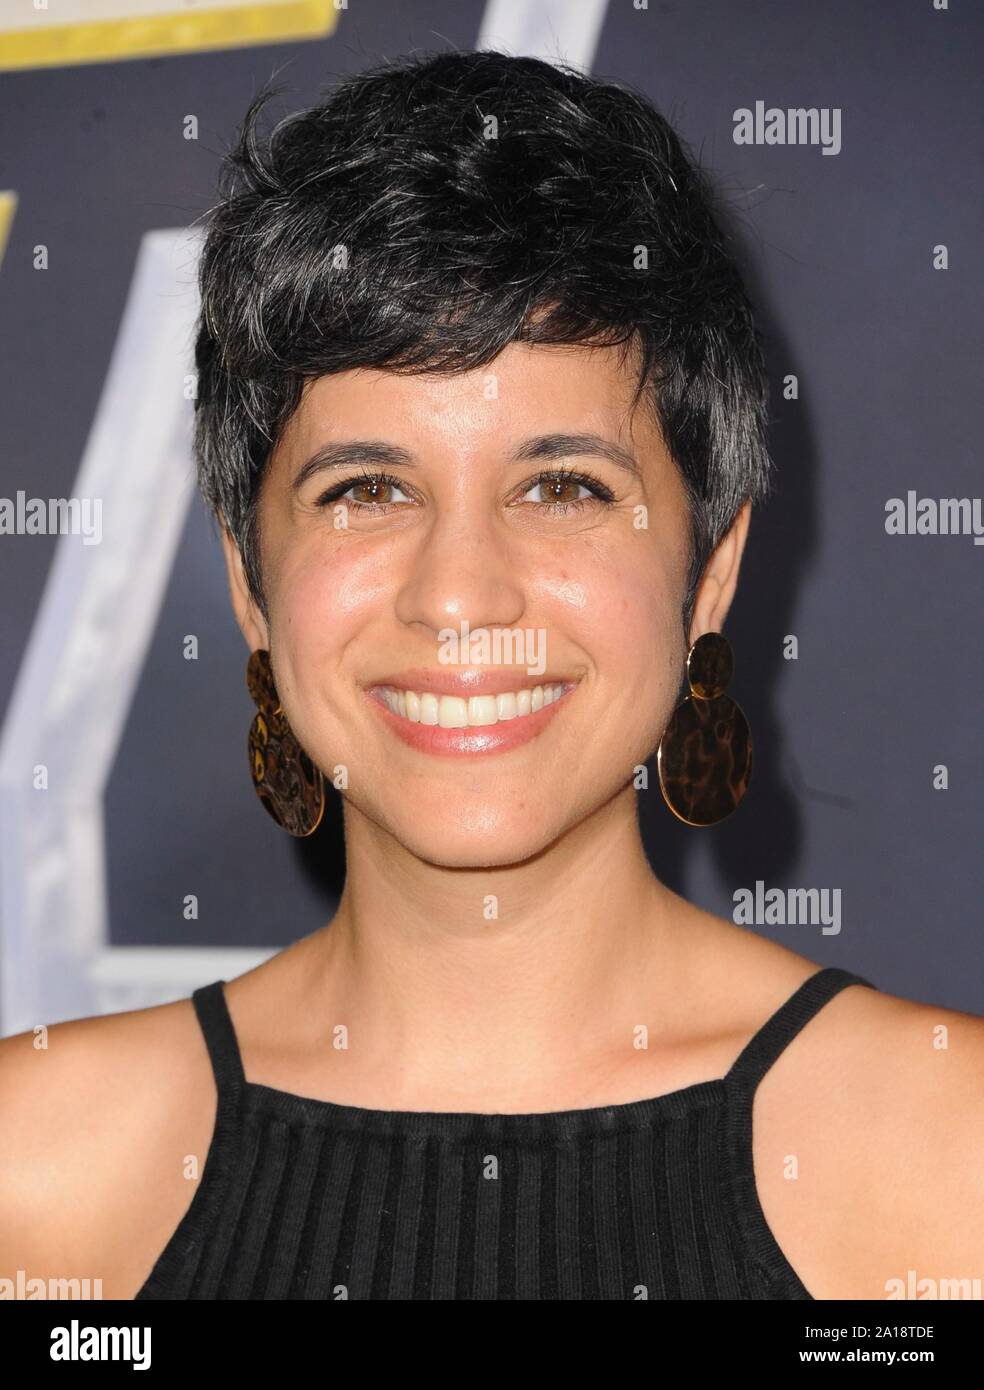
[(286, 781), (704, 758)]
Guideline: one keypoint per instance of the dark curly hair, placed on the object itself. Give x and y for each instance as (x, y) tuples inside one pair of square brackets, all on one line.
[(383, 229)]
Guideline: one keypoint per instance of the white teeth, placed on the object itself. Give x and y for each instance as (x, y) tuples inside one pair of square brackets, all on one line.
[(453, 712), (505, 705), (482, 709)]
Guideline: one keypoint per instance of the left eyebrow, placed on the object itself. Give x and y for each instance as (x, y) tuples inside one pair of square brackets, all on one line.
[(539, 448), (558, 446)]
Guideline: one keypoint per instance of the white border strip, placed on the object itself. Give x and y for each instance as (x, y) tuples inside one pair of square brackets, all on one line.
[(555, 30), (86, 651)]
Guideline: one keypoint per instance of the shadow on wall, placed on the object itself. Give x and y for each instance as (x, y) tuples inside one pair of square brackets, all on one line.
[(321, 856)]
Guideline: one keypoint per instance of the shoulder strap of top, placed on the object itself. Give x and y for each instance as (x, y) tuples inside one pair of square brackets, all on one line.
[(220, 1037), (777, 1032)]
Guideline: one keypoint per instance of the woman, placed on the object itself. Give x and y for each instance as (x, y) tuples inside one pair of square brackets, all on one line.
[(476, 366)]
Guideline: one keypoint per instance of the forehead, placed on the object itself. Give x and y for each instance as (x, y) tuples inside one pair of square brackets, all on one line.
[(524, 386)]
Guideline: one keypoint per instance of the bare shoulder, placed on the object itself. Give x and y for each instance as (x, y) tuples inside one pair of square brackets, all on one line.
[(739, 977), (95, 1114), (868, 1130)]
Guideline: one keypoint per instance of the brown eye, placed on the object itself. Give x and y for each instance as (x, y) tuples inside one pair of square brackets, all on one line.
[(367, 493), (565, 491), (372, 493), (561, 490)]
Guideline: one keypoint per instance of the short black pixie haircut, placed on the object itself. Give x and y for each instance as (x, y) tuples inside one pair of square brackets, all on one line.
[(395, 226)]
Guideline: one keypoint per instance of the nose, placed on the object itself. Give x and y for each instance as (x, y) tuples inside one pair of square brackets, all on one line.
[(462, 570)]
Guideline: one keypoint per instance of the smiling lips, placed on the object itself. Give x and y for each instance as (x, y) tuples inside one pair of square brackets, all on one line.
[(442, 716)]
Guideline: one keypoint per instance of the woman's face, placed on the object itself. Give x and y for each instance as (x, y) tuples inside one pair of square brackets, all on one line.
[(580, 581)]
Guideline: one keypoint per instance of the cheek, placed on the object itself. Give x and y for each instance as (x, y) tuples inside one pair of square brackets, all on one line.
[(622, 605), (321, 601)]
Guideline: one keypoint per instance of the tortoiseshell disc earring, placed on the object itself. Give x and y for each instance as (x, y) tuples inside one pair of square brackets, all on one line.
[(704, 758), (286, 781)]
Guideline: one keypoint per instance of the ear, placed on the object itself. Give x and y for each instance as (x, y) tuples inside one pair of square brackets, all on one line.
[(251, 621), (720, 578)]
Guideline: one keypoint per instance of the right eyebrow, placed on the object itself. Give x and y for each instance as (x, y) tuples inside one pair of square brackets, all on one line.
[(348, 453)]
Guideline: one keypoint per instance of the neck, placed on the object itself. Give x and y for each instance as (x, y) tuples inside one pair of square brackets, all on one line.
[(486, 978)]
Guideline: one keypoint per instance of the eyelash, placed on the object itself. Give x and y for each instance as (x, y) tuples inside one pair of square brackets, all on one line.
[(561, 475)]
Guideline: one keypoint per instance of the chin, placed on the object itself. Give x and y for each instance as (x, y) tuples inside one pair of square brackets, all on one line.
[(487, 835)]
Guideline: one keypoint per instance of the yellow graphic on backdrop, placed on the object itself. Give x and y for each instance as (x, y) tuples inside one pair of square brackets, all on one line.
[(8, 206), (65, 32)]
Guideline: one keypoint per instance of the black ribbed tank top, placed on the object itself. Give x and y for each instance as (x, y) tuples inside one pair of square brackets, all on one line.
[(306, 1199)]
